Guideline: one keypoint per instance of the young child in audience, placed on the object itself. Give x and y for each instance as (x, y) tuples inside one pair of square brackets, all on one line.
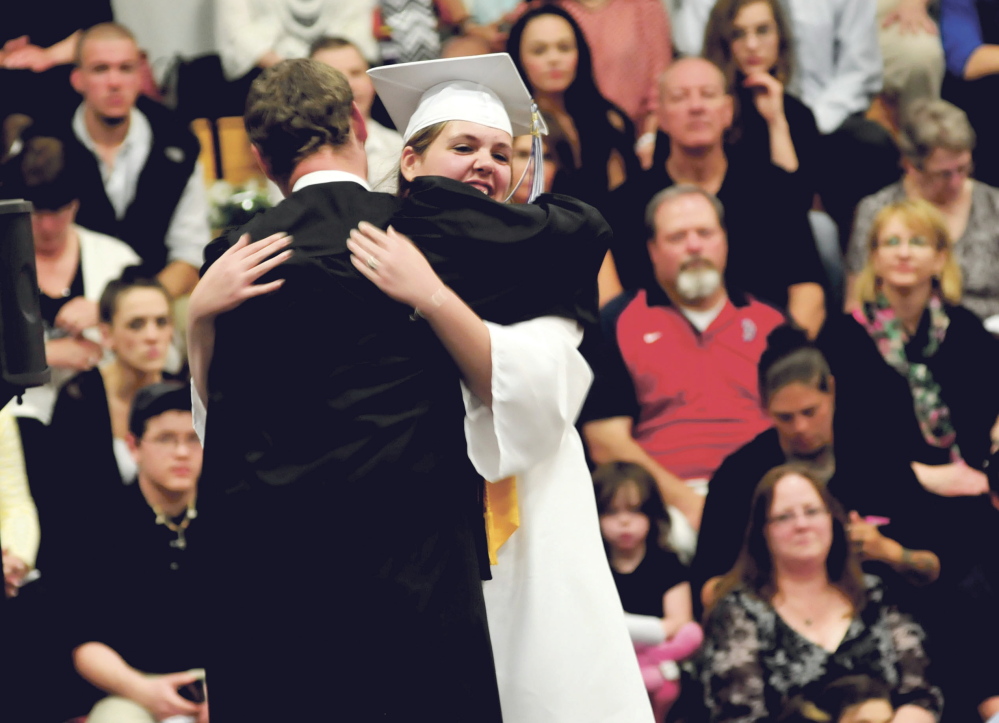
[(650, 579), (852, 699)]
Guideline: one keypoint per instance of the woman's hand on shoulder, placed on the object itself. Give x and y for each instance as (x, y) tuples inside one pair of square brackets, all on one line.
[(231, 279), (768, 96), (393, 263)]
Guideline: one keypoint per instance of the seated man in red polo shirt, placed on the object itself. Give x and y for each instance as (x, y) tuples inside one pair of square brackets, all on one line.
[(676, 390)]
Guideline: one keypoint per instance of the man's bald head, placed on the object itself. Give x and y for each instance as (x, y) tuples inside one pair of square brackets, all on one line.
[(695, 108)]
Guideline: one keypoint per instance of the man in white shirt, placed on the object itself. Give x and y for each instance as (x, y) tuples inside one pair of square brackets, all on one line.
[(145, 185)]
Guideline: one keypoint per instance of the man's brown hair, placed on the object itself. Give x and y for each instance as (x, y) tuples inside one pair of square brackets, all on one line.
[(101, 31), (295, 108)]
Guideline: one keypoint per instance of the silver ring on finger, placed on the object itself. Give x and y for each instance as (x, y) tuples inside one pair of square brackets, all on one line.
[(372, 263)]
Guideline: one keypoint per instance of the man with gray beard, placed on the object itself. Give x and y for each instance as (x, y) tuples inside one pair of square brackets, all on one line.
[(676, 390)]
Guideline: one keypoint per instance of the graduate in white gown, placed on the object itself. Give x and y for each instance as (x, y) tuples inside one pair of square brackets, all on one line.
[(561, 648), (560, 645)]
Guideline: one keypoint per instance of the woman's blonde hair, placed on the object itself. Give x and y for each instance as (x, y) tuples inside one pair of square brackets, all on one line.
[(919, 216), (420, 142)]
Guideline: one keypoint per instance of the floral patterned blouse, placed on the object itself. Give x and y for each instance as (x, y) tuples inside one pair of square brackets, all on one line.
[(752, 662)]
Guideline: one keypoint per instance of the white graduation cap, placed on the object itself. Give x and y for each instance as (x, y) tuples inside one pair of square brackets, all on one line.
[(484, 89)]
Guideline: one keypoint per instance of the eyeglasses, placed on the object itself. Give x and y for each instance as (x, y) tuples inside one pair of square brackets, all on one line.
[(914, 242), (174, 441), (811, 514), (962, 171)]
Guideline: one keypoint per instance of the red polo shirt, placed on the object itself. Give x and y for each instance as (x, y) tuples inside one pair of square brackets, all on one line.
[(693, 395)]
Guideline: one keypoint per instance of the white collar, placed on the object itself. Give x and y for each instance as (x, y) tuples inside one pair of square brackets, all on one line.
[(330, 176), (139, 130)]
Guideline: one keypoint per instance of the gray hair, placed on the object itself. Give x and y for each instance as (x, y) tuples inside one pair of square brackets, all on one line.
[(931, 124), (672, 192)]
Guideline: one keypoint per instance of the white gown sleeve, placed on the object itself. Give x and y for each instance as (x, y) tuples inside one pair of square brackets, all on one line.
[(539, 383), (199, 412)]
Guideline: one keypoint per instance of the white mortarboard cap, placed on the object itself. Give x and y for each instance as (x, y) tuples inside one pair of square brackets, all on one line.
[(485, 89)]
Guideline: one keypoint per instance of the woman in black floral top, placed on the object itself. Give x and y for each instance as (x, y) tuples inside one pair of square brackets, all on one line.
[(795, 614)]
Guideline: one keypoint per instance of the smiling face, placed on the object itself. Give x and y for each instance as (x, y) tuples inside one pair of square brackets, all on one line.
[(108, 77), (468, 152), (623, 525), (799, 526), (755, 38), (140, 330), (694, 110), (906, 259), (548, 54)]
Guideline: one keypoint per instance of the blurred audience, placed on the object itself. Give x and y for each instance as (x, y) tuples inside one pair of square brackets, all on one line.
[(631, 47), (751, 41), (135, 632), (849, 431), (910, 290), (796, 613), (37, 49), (19, 533), (649, 577), (73, 266), (383, 146), (554, 59), (970, 34), (141, 181), (676, 392), (839, 73), (256, 34), (90, 422), (937, 144), (771, 253), (912, 53)]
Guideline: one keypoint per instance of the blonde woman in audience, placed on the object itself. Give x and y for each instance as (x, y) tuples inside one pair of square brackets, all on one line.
[(796, 613), (937, 143), (19, 532), (910, 291)]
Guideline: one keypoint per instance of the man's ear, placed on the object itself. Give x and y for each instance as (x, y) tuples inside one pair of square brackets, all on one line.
[(75, 80), (133, 446), (359, 127)]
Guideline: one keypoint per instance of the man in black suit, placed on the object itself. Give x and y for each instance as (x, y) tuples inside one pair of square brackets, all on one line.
[(350, 546)]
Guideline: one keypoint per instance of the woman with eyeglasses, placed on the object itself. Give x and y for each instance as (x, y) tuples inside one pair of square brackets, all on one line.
[(796, 613), (910, 291), (937, 143)]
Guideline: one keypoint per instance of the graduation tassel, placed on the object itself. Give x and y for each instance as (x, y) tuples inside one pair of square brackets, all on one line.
[(537, 159), (538, 129)]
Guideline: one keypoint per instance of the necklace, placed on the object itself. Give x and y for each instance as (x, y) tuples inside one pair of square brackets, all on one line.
[(161, 519)]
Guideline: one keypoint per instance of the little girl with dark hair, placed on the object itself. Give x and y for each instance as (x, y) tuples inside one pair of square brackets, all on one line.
[(652, 582)]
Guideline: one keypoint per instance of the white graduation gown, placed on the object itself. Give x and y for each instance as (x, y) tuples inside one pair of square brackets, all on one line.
[(562, 652)]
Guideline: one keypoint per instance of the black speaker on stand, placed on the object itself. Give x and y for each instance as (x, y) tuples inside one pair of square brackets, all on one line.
[(22, 340)]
